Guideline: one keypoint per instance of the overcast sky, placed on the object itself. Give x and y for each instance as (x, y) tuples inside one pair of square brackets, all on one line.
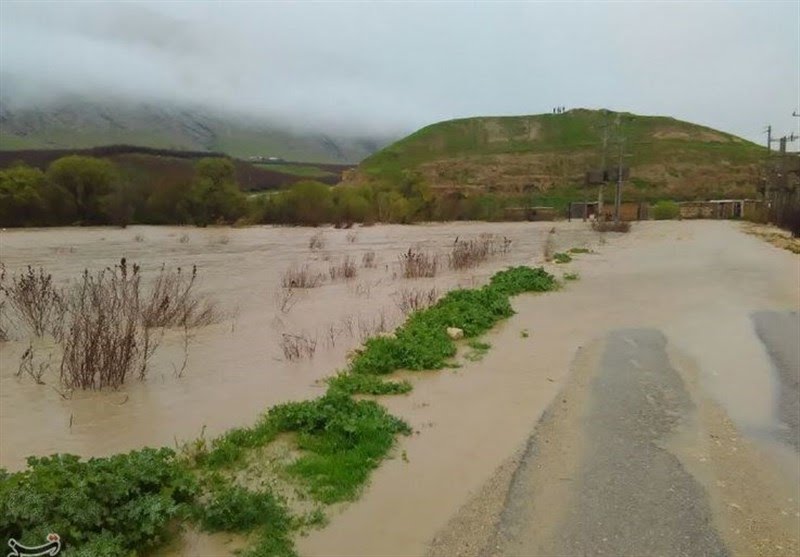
[(395, 67)]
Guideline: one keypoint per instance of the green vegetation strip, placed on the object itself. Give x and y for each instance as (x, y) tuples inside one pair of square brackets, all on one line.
[(129, 504)]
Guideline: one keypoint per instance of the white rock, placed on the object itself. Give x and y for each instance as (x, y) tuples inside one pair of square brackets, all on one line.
[(455, 333)]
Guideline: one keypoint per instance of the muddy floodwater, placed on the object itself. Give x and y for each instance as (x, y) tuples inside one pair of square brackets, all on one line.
[(234, 369)]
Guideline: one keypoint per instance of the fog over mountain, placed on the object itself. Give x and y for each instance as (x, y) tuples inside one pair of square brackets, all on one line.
[(386, 69)]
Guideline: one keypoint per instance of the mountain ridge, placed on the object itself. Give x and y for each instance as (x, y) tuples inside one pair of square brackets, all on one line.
[(80, 124)]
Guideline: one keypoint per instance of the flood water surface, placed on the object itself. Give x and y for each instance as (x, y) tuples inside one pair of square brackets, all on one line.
[(234, 369)]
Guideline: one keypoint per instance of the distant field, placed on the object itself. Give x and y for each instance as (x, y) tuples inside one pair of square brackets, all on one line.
[(158, 165), (298, 170)]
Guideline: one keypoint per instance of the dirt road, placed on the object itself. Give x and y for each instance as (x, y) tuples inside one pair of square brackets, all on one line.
[(647, 412)]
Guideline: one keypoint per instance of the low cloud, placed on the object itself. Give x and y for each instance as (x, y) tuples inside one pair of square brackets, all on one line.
[(392, 68)]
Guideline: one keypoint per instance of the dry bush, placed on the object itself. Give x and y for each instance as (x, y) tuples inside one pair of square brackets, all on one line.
[(184, 239), (611, 226), (347, 324), (105, 340), (346, 269), (369, 327), (316, 242), (362, 290), (172, 301), (549, 241), (301, 277), (34, 370), (501, 245), (470, 253), (416, 263), (413, 299), (3, 327), (296, 347), (332, 332), (368, 260), (35, 299), (285, 299), (138, 238), (352, 236)]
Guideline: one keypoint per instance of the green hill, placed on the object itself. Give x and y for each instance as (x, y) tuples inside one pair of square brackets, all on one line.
[(544, 158)]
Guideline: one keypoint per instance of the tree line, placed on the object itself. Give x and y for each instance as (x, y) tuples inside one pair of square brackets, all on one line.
[(84, 190)]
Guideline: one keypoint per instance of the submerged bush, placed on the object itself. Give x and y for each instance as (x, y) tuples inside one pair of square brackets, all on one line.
[(38, 303), (342, 441)]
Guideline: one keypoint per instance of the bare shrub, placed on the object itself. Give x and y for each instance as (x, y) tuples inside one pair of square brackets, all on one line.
[(332, 333), (416, 263), (369, 327), (36, 300), (295, 347), (352, 236), (188, 336), (611, 226), (470, 253), (173, 302), (362, 290), (346, 269), (285, 299), (414, 299), (316, 242), (368, 260), (138, 238), (3, 326), (549, 242), (347, 324), (34, 370), (301, 277), (106, 341), (503, 245), (184, 239)]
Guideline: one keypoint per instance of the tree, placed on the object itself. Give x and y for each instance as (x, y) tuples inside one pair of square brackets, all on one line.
[(88, 180), (21, 202), (310, 203), (215, 195)]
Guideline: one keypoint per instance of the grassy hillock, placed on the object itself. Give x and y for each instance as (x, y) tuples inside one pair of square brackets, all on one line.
[(544, 157)]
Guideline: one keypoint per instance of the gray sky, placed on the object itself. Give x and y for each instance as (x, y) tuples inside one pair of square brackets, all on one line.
[(375, 67)]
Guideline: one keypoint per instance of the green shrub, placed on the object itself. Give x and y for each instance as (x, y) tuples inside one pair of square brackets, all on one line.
[(351, 383), (571, 276), (232, 508), (517, 280), (666, 210), (342, 439), (580, 250), (562, 257), (99, 506)]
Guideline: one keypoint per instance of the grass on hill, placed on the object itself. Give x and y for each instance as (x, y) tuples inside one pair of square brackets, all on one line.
[(659, 149)]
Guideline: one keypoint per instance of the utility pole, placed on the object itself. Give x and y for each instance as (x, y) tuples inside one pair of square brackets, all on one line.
[(618, 191), (603, 165)]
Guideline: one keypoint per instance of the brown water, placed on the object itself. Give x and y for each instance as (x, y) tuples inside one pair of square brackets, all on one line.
[(698, 282), (235, 368)]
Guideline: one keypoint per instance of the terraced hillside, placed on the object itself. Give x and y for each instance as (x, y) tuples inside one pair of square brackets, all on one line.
[(546, 157)]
